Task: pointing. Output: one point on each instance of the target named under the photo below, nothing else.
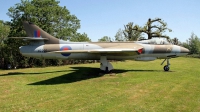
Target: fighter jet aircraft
(44, 45)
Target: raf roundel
(65, 48)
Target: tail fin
(36, 32)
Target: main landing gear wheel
(105, 66)
(166, 68)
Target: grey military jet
(44, 45)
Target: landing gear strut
(166, 67)
(105, 65)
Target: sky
(100, 18)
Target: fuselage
(149, 51)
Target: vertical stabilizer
(36, 32)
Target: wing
(29, 38)
(106, 51)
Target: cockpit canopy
(159, 41)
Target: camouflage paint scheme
(43, 45)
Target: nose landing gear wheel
(166, 68)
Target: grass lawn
(136, 86)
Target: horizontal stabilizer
(29, 38)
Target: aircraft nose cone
(184, 50)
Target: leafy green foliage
(4, 32)
(175, 41)
(47, 14)
(193, 44)
(80, 38)
(105, 39)
(119, 35)
(130, 34)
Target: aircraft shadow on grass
(76, 74)
(79, 74)
(34, 73)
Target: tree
(185, 44)
(80, 38)
(48, 15)
(130, 33)
(193, 44)
(4, 32)
(105, 39)
(153, 30)
(119, 36)
(175, 41)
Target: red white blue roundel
(65, 48)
